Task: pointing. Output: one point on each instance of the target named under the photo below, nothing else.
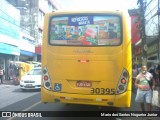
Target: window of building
(41, 16)
(40, 35)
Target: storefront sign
(9, 49)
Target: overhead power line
(143, 34)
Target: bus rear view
(86, 58)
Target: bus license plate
(83, 84)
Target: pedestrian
(1, 74)
(144, 91)
(153, 72)
(158, 72)
(134, 75)
(134, 71)
(139, 68)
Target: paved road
(16, 100)
(11, 94)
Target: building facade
(21, 29)
(151, 32)
(135, 35)
(9, 34)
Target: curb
(8, 82)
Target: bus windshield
(85, 30)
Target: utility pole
(142, 31)
(158, 12)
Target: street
(80, 44)
(14, 99)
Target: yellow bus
(86, 58)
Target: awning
(9, 49)
(26, 53)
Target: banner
(78, 114)
(80, 20)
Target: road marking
(118, 119)
(30, 107)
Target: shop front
(8, 53)
(26, 56)
(152, 54)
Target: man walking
(144, 91)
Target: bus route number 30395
(103, 91)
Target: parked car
(32, 80)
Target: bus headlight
(47, 84)
(44, 71)
(121, 87)
(123, 82)
(46, 79)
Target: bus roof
(85, 11)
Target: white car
(32, 80)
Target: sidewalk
(7, 82)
